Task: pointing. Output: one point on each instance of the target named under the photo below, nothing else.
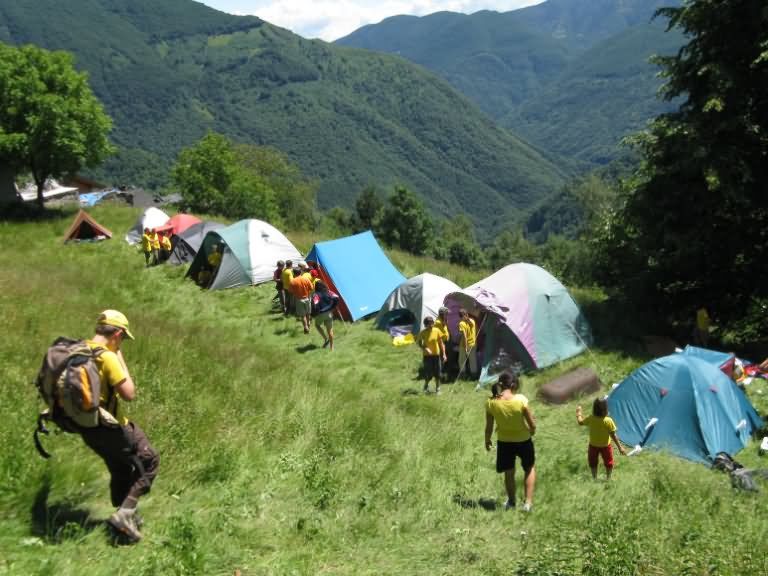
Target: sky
(332, 19)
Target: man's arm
(126, 389)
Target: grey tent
(187, 243)
(414, 300)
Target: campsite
(279, 458)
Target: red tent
(86, 228)
(177, 224)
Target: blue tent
(685, 405)
(722, 360)
(357, 269)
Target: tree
(51, 124)
(692, 225)
(368, 209)
(511, 247)
(405, 222)
(243, 181)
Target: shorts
(325, 319)
(303, 307)
(506, 452)
(605, 451)
(431, 367)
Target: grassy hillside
(278, 457)
(572, 76)
(169, 72)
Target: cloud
(332, 19)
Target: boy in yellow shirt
(146, 246)
(602, 429)
(467, 340)
(430, 340)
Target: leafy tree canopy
(50, 122)
(405, 222)
(692, 227)
(243, 181)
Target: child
(602, 429)
(430, 341)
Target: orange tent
(177, 224)
(85, 227)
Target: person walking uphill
(301, 288)
(602, 429)
(515, 428)
(125, 449)
(324, 302)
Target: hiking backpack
(69, 384)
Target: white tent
(151, 218)
(421, 296)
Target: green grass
(278, 457)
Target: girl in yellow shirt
(602, 429)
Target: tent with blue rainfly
(684, 405)
(356, 268)
(724, 361)
(525, 317)
(249, 251)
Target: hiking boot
(509, 504)
(124, 523)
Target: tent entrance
(499, 350)
(398, 322)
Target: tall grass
(279, 457)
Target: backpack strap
(41, 429)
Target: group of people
(508, 411)
(301, 292)
(155, 246)
(434, 341)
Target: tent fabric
(684, 405)
(723, 361)
(420, 295)
(84, 227)
(358, 270)
(251, 249)
(178, 223)
(151, 218)
(527, 317)
(187, 243)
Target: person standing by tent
(131, 460)
(515, 428)
(277, 276)
(324, 302)
(301, 287)
(146, 247)
(155, 247)
(467, 340)
(442, 324)
(165, 247)
(701, 330)
(430, 340)
(287, 276)
(602, 429)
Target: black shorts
(431, 367)
(506, 452)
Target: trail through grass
(279, 457)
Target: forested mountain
(572, 76)
(168, 72)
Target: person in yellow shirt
(286, 276)
(602, 429)
(441, 323)
(146, 247)
(701, 331)
(515, 427)
(155, 237)
(165, 247)
(121, 444)
(430, 340)
(467, 341)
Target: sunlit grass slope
(278, 457)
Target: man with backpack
(74, 373)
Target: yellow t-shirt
(467, 328)
(702, 319)
(430, 339)
(111, 374)
(146, 243)
(443, 330)
(155, 240)
(286, 276)
(600, 429)
(508, 414)
(165, 242)
(214, 259)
